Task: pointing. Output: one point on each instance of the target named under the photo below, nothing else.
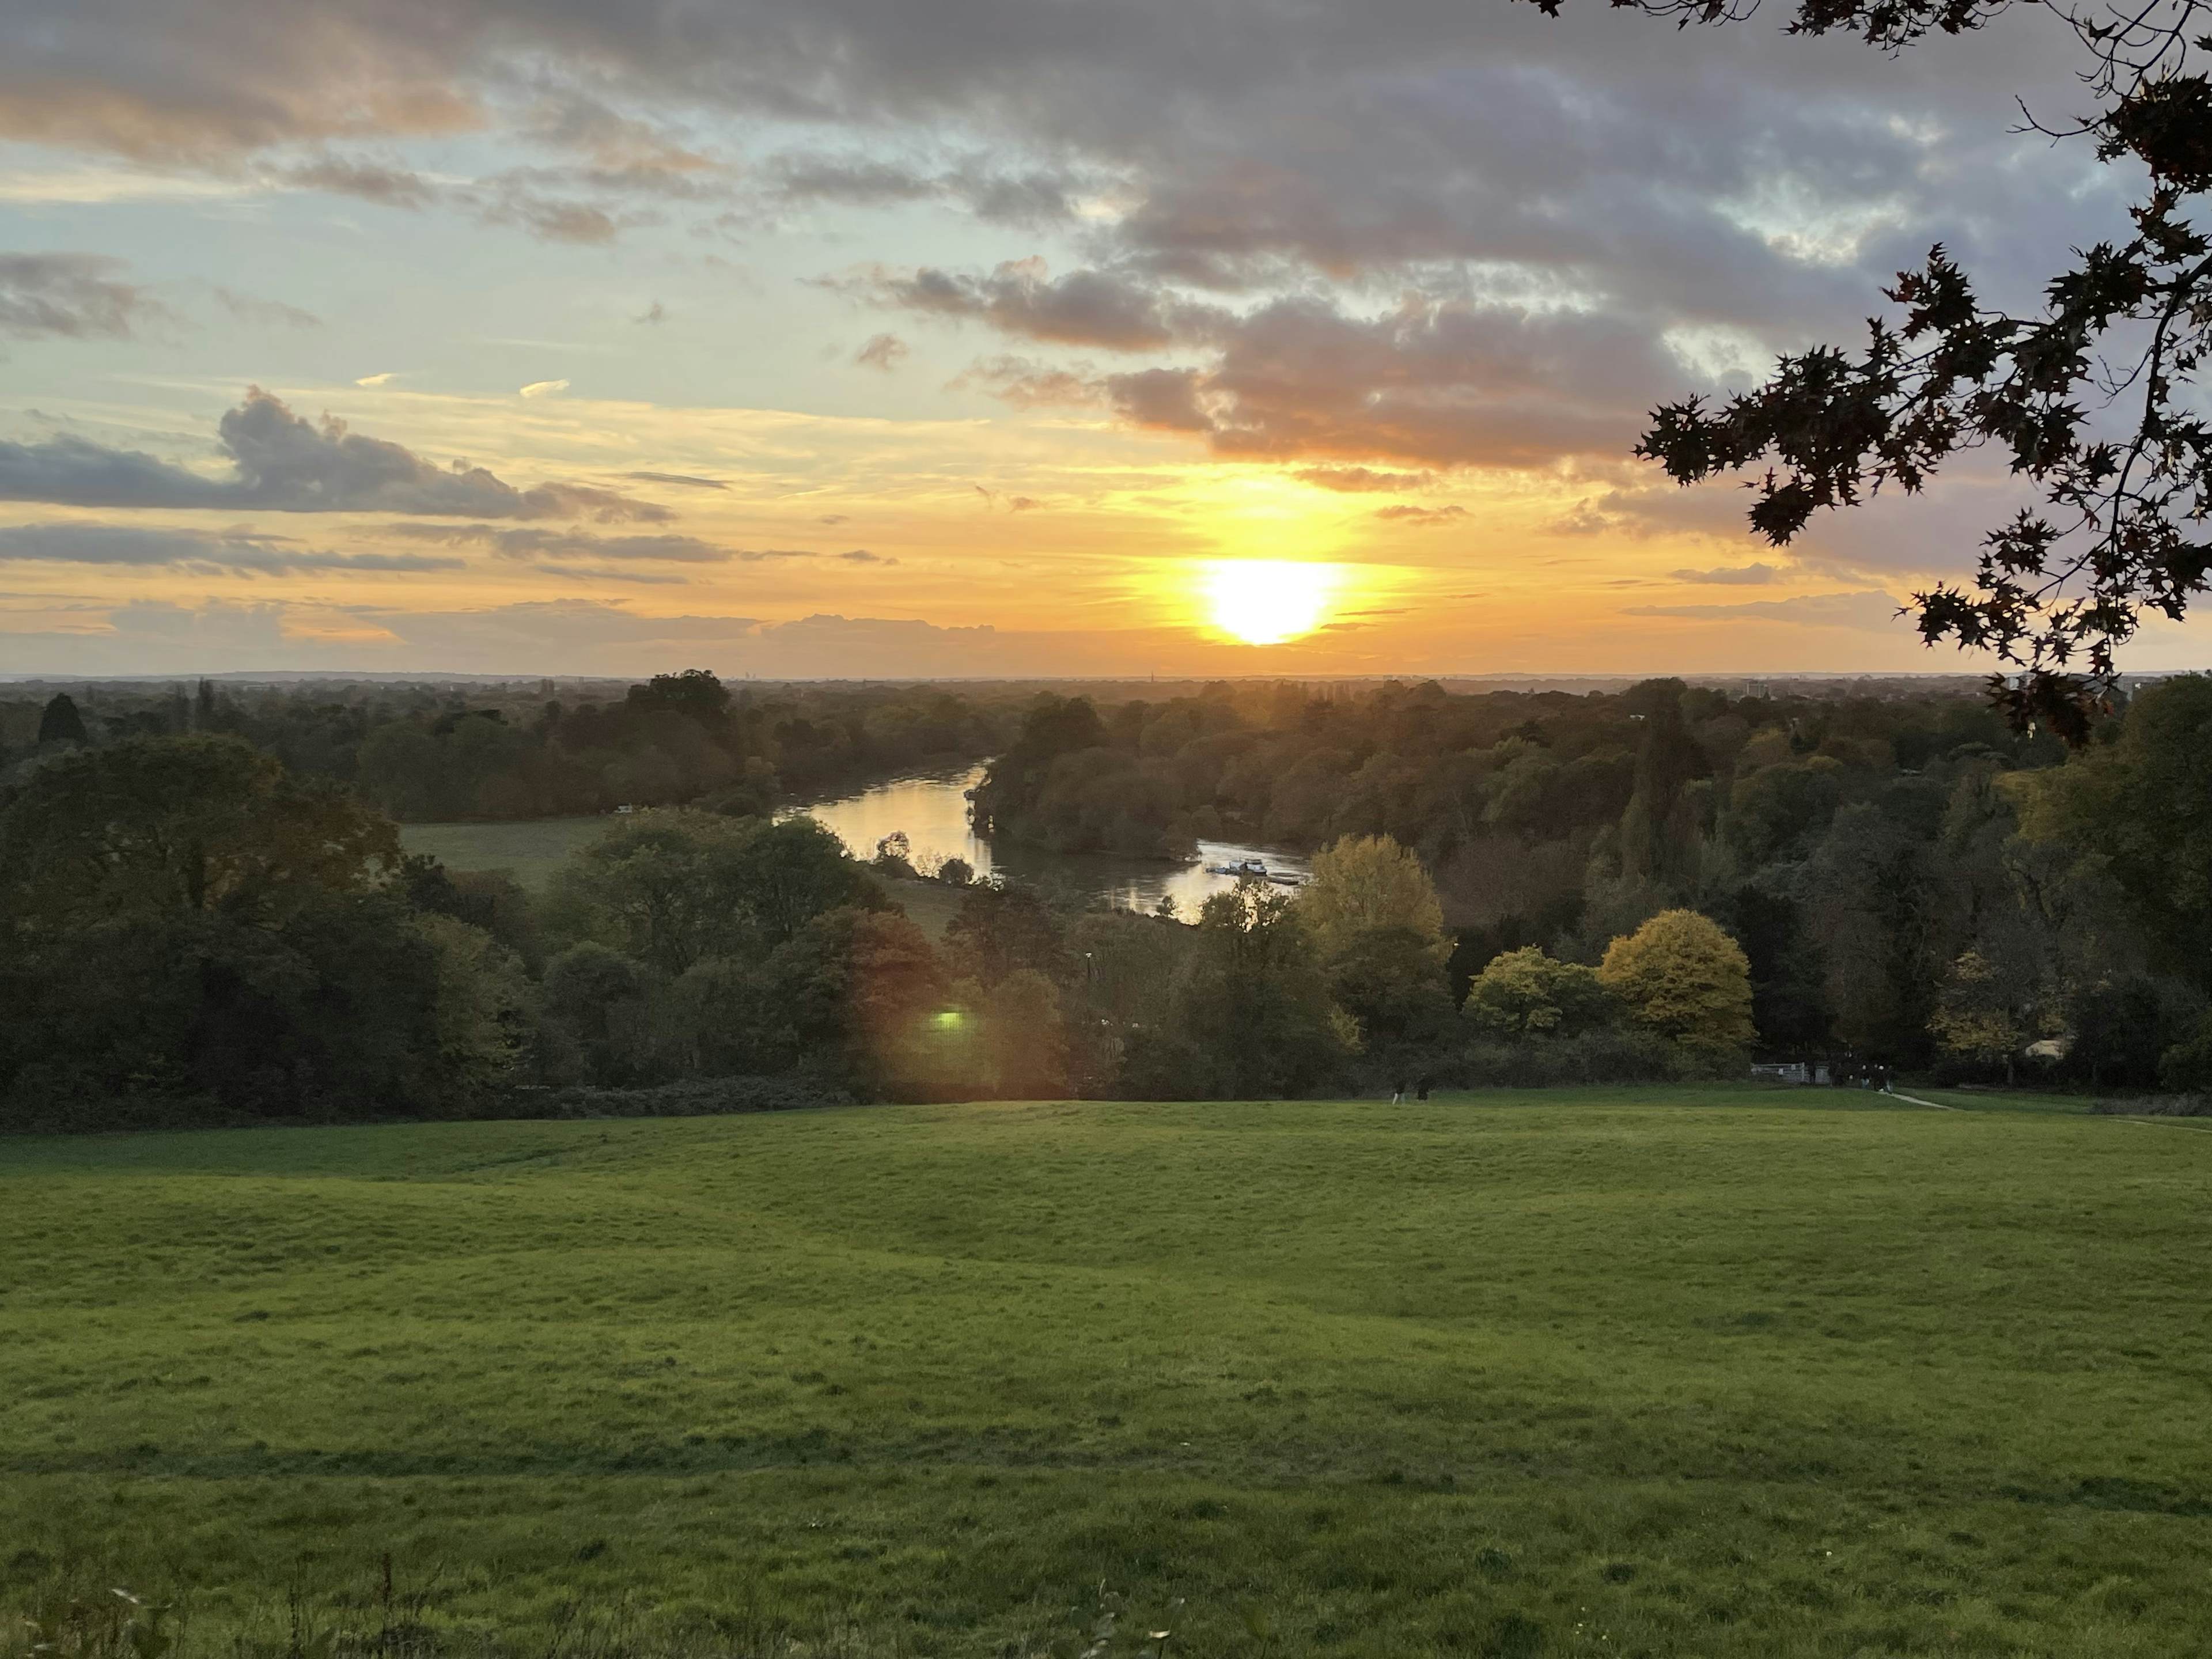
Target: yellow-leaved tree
(1366, 882)
(1684, 978)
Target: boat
(1253, 869)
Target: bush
(1601, 1056)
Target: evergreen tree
(59, 722)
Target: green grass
(1711, 1373)
(531, 849)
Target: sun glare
(1267, 601)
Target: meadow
(529, 850)
(1718, 1373)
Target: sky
(967, 338)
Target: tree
(155, 826)
(999, 930)
(1684, 978)
(1363, 883)
(594, 1016)
(1525, 992)
(1251, 1013)
(860, 997)
(2143, 803)
(481, 1012)
(675, 886)
(1026, 1037)
(59, 721)
(2096, 400)
(1979, 1015)
(1390, 983)
(697, 694)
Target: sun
(1267, 601)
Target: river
(932, 811)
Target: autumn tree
(2096, 400)
(1526, 993)
(1684, 978)
(1378, 927)
(1364, 882)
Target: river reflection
(932, 811)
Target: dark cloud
(1404, 513)
(75, 295)
(1589, 212)
(205, 552)
(1020, 297)
(1432, 383)
(883, 352)
(1037, 197)
(282, 463)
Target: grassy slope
(1726, 1375)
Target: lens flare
(1267, 601)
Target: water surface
(932, 811)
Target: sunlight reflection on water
(932, 811)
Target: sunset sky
(963, 337)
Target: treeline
(425, 753)
(195, 934)
(1914, 884)
(192, 932)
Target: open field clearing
(1662, 1372)
(529, 850)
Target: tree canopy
(2095, 400)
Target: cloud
(544, 545)
(205, 552)
(384, 379)
(1084, 307)
(544, 389)
(281, 462)
(682, 479)
(1404, 513)
(1872, 610)
(1353, 480)
(1401, 234)
(1747, 576)
(1029, 384)
(557, 545)
(654, 313)
(883, 352)
(69, 296)
(268, 313)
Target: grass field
(530, 848)
(1717, 1373)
